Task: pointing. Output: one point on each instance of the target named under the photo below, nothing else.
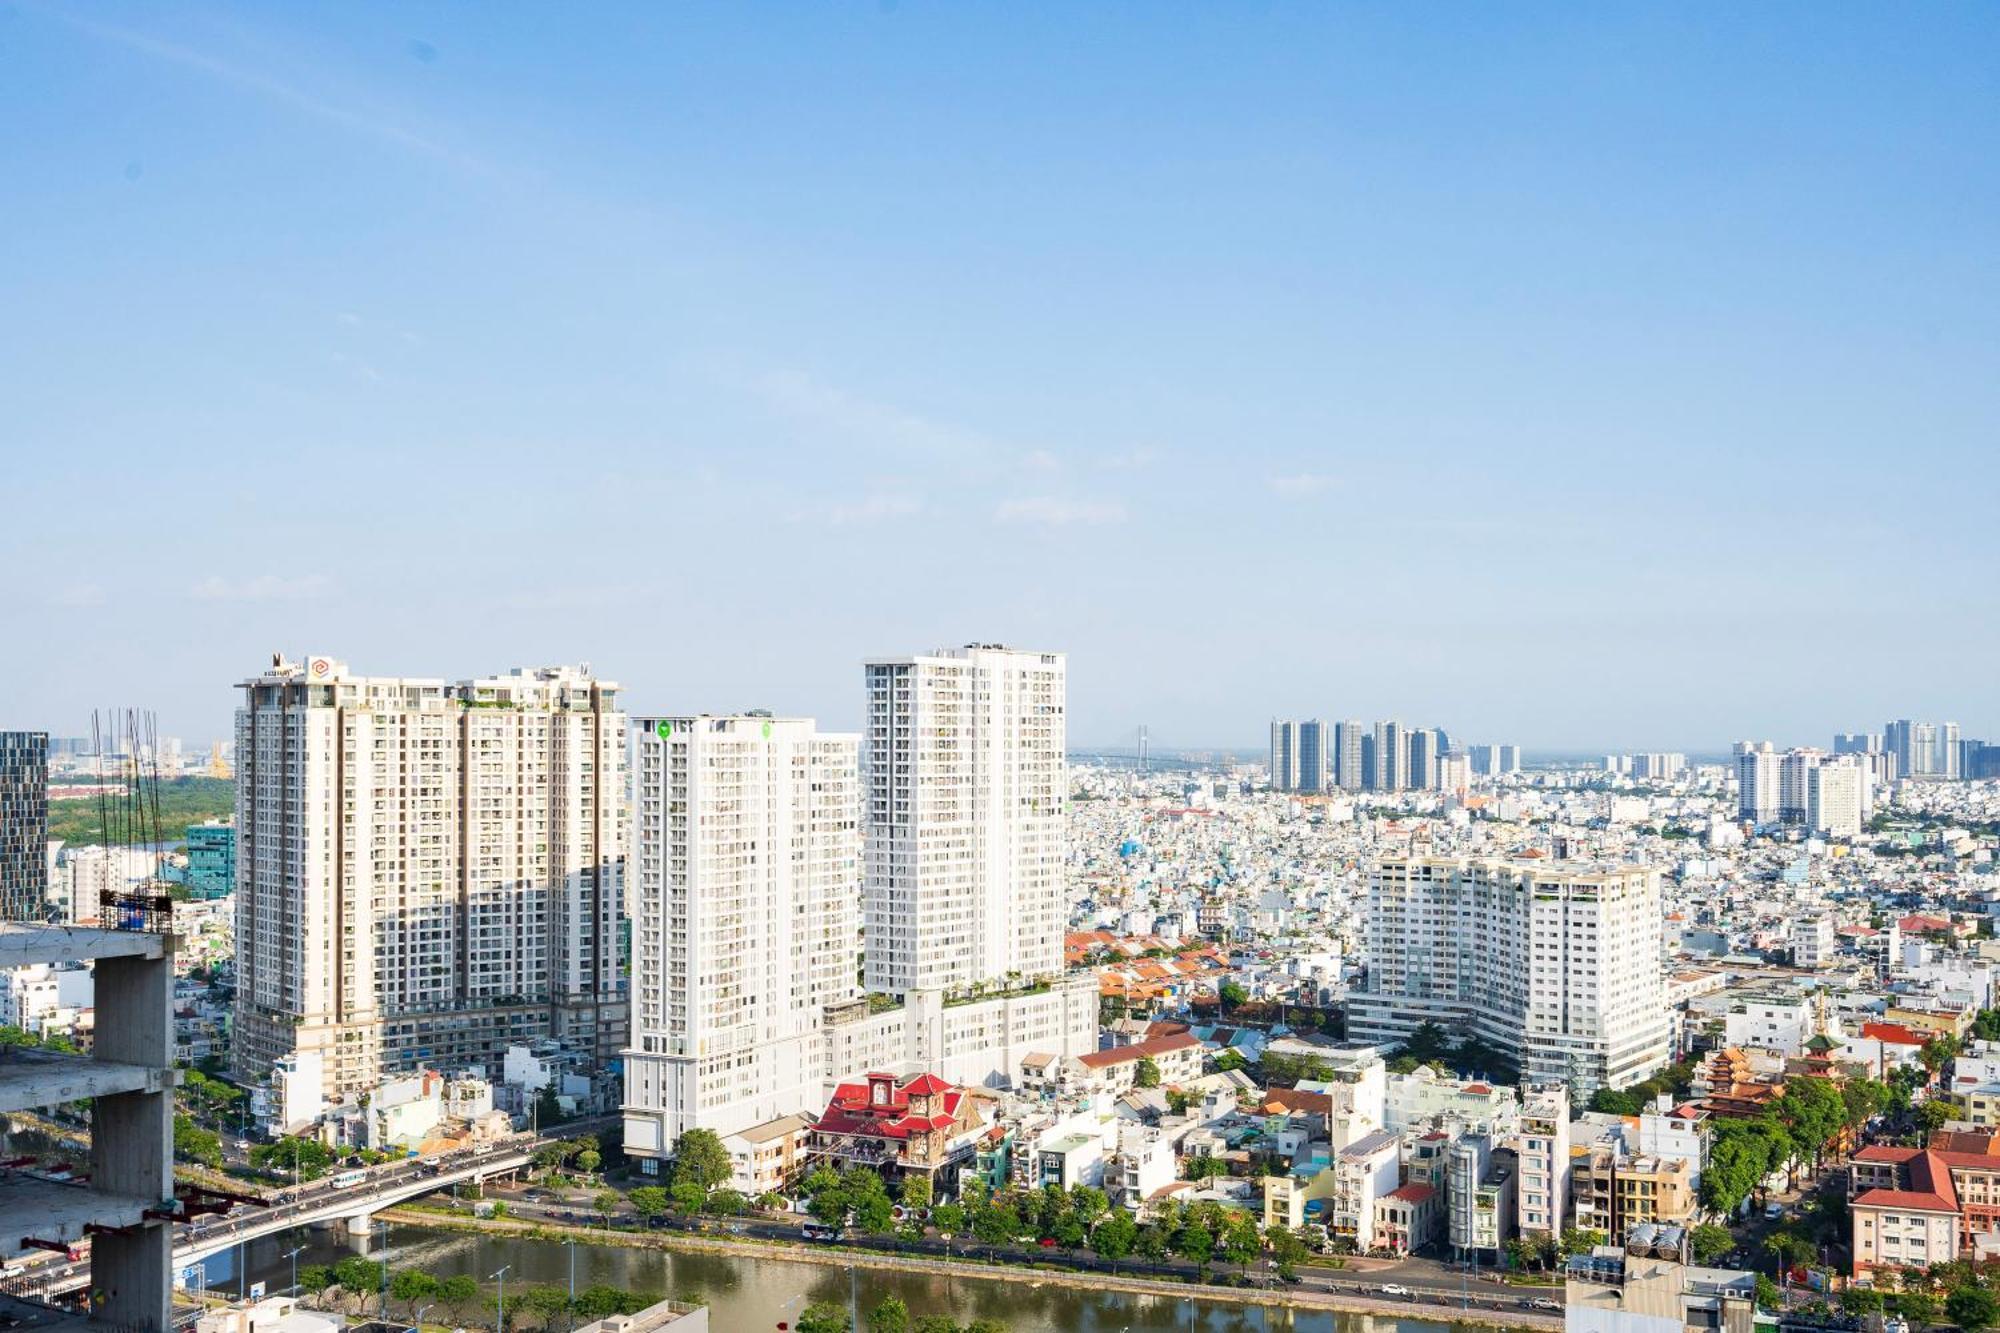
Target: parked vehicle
(819, 1231)
(1545, 1303)
(1394, 1289)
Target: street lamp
(570, 1245)
(384, 1302)
(293, 1255)
(501, 1276)
(416, 1325)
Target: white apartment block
(426, 873)
(966, 784)
(1757, 781)
(1813, 941)
(1542, 1198)
(1837, 797)
(746, 862)
(1556, 963)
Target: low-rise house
(922, 1125)
(766, 1158)
(1408, 1218)
(1911, 1207)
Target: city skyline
(1483, 371)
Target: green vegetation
(1675, 1080)
(194, 1144)
(307, 1158)
(1810, 1119)
(182, 801)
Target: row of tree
(1812, 1117)
(890, 1315)
(411, 1290)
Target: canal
(746, 1293)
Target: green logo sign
(664, 730)
(767, 731)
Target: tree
(1710, 1242)
(1972, 1308)
(1938, 1052)
(890, 1315)
(1230, 1061)
(589, 1160)
(1787, 1248)
(1231, 995)
(996, 1223)
(1768, 1294)
(1203, 1166)
(874, 1213)
(936, 1323)
(916, 1190)
(195, 1144)
(650, 1201)
(1861, 1300)
(1813, 1113)
(1240, 1242)
(1932, 1115)
(1428, 1043)
(358, 1277)
(411, 1286)
(546, 1303)
(309, 1158)
(702, 1159)
(1155, 1243)
(1286, 1248)
(1195, 1244)
(949, 1218)
(458, 1294)
(606, 1203)
(688, 1198)
(315, 1278)
(1179, 1101)
(1115, 1237)
(822, 1317)
(1147, 1075)
(727, 1203)
(1611, 1101)
(1919, 1307)
(1580, 1240)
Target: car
(1774, 1210)
(1047, 1242)
(1545, 1303)
(1394, 1289)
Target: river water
(747, 1293)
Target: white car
(1394, 1289)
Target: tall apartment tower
(1313, 757)
(1837, 796)
(1348, 738)
(746, 864)
(964, 820)
(1558, 964)
(24, 826)
(1392, 757)
(1795, 770)
(1284, 756)
(1757, 778)
(1949, 752)
(425, 873)
(1423, 771)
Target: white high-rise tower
(966, 784)
(746, 855)
(425, 873)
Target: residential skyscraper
(746, 867)
(24, 826)
(1947, 762)
(964, 821)
(1557, 964)
(1836, 796)
(426, 873)
(1392, 757)
(1857, 742)
(1349, 774)
(1757, 774)
(1795, 770)
(1284, 756)
(1423, 751)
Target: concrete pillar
(361, 1224)
(132, 1154)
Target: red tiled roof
(1895, 1033)
(852, 1111)
(1411, 1193)
(1138, 1050)
(1906, 1199)
(1930, 1189)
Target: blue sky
(1575, 375)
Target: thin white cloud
(262, 588)
(75, 595)
(1041, 460)
(1131, 460)
(1055, 511)
(273, 89)
(874, 508)
(821, 405)
(1300, 484)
